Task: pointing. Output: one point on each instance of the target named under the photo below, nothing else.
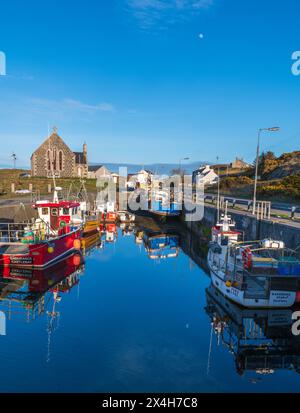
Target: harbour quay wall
(253, 228)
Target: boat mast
(51, 159)
(210, 349)
(218, 200)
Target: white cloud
(77, 105)
(149, 13)
(67, 105)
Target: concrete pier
(253, 228)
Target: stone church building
(54, 157)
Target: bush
(288, 187)
(232, 182)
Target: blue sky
(136, 81)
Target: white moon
(201, 36)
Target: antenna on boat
(53, 316)
(51, 160)
(226, 208)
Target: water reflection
(38, 292)
(161, 246)
(260, 340)
(138, 326)
(32, 290)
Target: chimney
(85, 152)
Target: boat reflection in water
(127, 229)
(91, 242)
(162, 246)
(32, 289)
(261, 340)
(109, 233)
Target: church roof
(80, 158)
(95, 168)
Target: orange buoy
(77, 244)
(76, 260)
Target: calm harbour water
(135, 324)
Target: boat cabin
(223, 232)
(58, 215)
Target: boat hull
(275, 299)
(42, 254)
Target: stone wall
(252, 228)
(39, 160)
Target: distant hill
(7, 166)
(156, 168)
(288, 164)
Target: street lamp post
(181, 177)
(275, 129)
(180, 163)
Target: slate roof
(94, 168)
(80, 158)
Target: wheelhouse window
(65, 211)
(45, 211)
(54, 212)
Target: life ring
(247, 258)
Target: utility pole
(275, 129)
(14, 158)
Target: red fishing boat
(50, 237)
(26, 288)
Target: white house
(143, 178)
(205, 175)
(98, 171)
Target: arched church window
(60, 160)
(54, 159)
(48, 160)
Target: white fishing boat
(107, 211)
(261, 274)
(261, 340)
(126, 217)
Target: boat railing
(218, 263)
(14, 232)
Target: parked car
(23, 192)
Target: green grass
(9, 176)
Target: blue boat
(162, 246)
(163, 207)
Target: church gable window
(54, 159)
(48, 160)
(60, 161)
